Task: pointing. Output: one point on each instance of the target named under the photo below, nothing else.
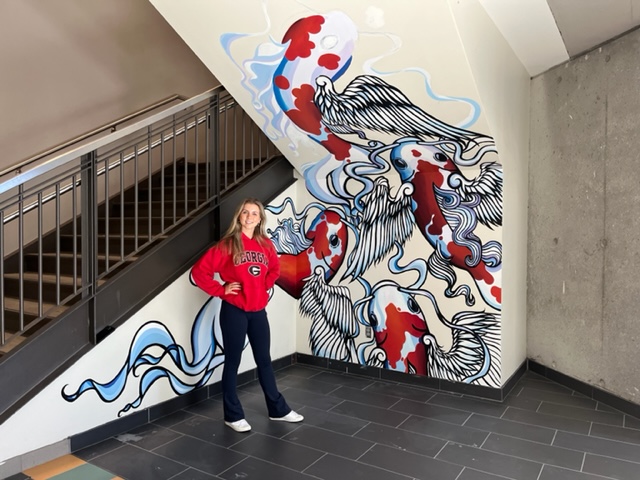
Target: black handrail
(108, 126)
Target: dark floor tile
(468, 404)
(211, 431)
(537, 452)
(490, 462)
(410, 464)
(549, 421)
(631, 422)
(89, 453)
(280, 452)
(365, 396)
(200, 455)
(344, 380)
(255, 469)
(470, 474)
(401, 391)
(191, 474)
(330, 442)
(262, 424)
(581, 414)
(522, 402)
(603, 407)
(310, 399)
(256, 403)
(545, 385)
(513, 429)
(611, 467)
(615, 433)
(550, 472)
(309, 384)
(445, 431)
(135, 463)
(333, 421)
(436, 412)
(298, 371)
(559, 398)
(148, 436)
(173, 419)
(598, 446)
(404, 439)
(369, 413)
(331, 467)
(210, 408)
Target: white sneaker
(239, 426)
(291, 417)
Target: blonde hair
(232, 239)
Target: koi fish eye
(399, 163)
(440, 157)
(373, 320)
(334, 241)
(413, 305)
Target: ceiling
(546, 33)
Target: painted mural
(391, 240)
(397, 192)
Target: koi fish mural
(390, 167)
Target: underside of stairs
(146, 236)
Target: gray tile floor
(361, 428)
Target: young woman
(248, 266)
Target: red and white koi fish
(328, 236)
(447, 208)
(398, 326)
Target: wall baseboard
(497, 394)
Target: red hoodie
(256, 272)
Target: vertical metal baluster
(107, 214)
(135, 205)
(121, 206)
(21, 256)
(74, 216)
(225, 156)
(186, 170)
(162, 182)
(197, 126)
(252, 139)
(40, 297)
(244, 152)
(235, 145)
(175, 154)
(57, 208)
(149, 183)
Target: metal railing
(70, 222)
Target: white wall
(54, 419)
(503, 85)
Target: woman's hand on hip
(232, 288)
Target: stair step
(31, 281)
(12, 312)
(12, 343)
(129, 208)
(66, 243)
(66, 262)
(128, 224)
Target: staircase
(134, 226)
